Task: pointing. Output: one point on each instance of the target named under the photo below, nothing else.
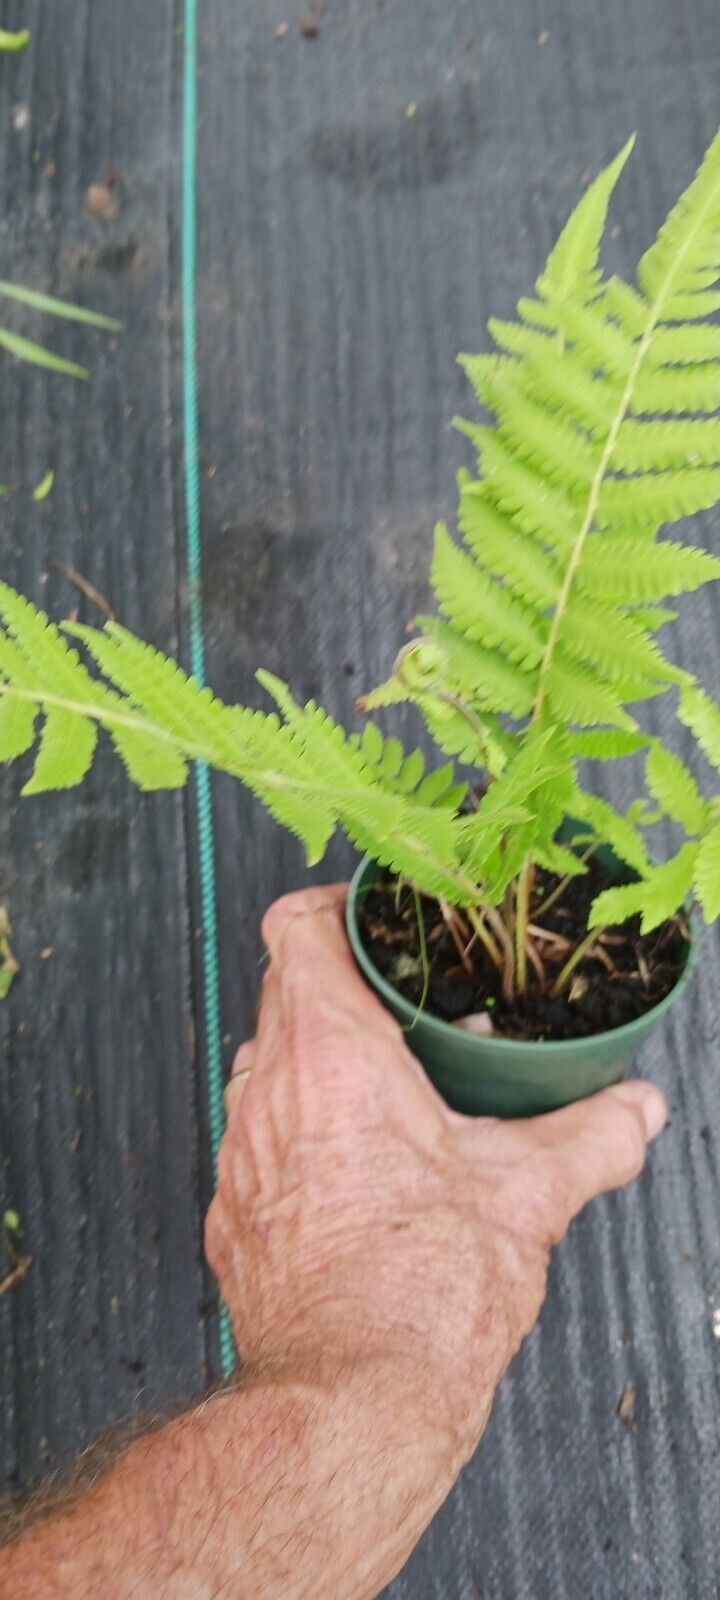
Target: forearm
(313, 1484)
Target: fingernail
(646, 1098)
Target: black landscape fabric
(368, 195)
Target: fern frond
(612, 641)
(505, 552)
(538, 507)
(149, 761)
(706, 879)
(485, 678)
(616, 830)
(566, 386)
(417, 843)
(685, 344)
(658, 496)
(162, 690)
(524, 793)
(677, 389)
(577, 697)
(67, 745)
(656, 446)
(675, 789)
(686, 243)
(667, 888)
(653, 618)
(626, 571)
(626, 306)
(471, 735)
(543, 438)
(702, 717)
(599, 395)
(490, 680)
(572, 266)
(615, 906)
(481, 608)
(17, 726)
(597, 341)
(606, 744)
(405, 774)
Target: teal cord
(206, 845)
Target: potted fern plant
(518, 925)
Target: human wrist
(265, 1489)
(430, 1365)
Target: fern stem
(505, 952)
(522, 917)
(424, 962)
(610, 443)
(485, 937)
(590, 510)
(450, 918)
(574, 961)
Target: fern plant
(600, 399)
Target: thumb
(600, 1143)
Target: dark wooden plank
(348, 250)
(98, 1135)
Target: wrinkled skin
(356, 1213)
(382, 1259)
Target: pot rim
(496, 1042)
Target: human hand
(357, 1215)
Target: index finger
(336, 1017)
(305, 936)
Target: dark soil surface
(623, 975)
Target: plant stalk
(485, 936)
(507, 960)
(574, 961)
(522, 917)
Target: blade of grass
(14, 41)
(37, 355)
(57, 308)
(45, 485)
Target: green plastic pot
(508, 1077)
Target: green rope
(206, 847)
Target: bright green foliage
(14, 41)
(37, 354)
(598, 432)
(44, 487)
(9, 969)
(675, 789)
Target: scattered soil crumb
(310, 25)
(626, 1408)
(281, 30)
(102, 201)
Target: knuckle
(277, 916)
